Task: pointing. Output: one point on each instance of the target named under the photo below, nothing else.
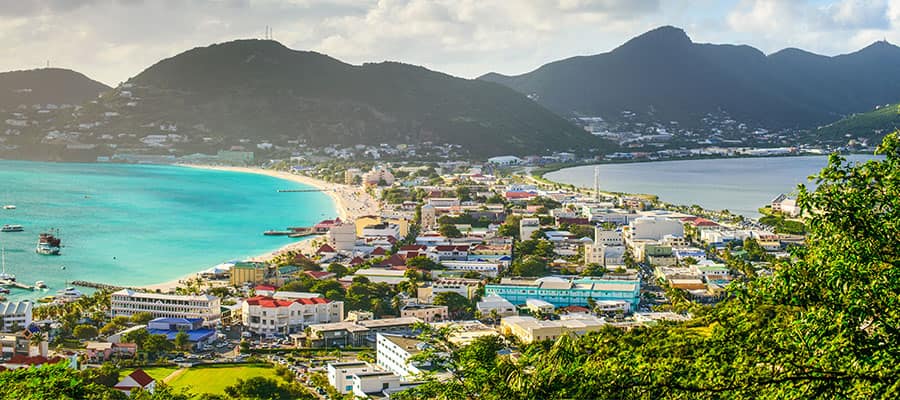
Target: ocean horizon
(135, 225)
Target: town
(473, 249)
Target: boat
(9, 207)
(68, 294)
(4, 276)
(40, 285)
(48, 245)
(46, 299)
(11, 228)
(4, 290)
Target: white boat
(40, 285)
(12, 228)
(9, 207)
(68, 294)
(4, 276)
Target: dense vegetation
(874, 124)
(261, 89)
(663, 72)
(46, 86)
(823, 325)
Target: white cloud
(112, 40)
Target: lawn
(158, 373)
(214, 379)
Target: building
(563, 292)
(492, 302)
(263, 315)
(605, 255)
(350, 175)
(355, 333)
(539, 306)
(361, 378)
(785, 205)
(368, 220)
(654, 228)
(428, 217)
(248, 272)
(394, 351)
(486, 268)
(197, 334)
(504, 160)
(127, 302)
(425, 312)
(378, 176)
(383, 229)
(15, 316)
(342, 236)
(527, 227)
(136, 380)
(529, 329)
(463, 287)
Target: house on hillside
(134, 380)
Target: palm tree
(37, 339)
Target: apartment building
(265, 315)
(127, 302)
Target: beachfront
(351, 202)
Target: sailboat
(4, 276)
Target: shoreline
(350, 202)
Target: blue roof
(164, 320)
(193, 336)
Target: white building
(383, 229)
(654, 228)
(127, 302)
(394, 351)
(608, 237)
(266, 315)
(505, 160)
(15, 315)
(342, 236)
(493, 302)
(378, 175)
(360, 378)
(485, 268)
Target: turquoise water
(142, 224)
(740, 185)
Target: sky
(112, 40)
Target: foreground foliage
(824, 325)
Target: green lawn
(214, 379)
(158, 373)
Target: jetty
(96, 285)
(19, 285)
(301, 190)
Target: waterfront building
(529, 329)
(249, 272)
(563, 292)
(364, 221)
(127, 302)
(15, 315)
(342, 237)
(378, 176)
(263, 315)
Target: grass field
(214, 379)
(158, 373)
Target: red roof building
(134, 380)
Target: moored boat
(40, 285)
(9, 207)
(48, 244)
(4, 276)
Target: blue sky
(111, 40)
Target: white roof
(17, 308)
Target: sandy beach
(351, 202)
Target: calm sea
(142, 224)
(740, 185)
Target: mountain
(873, 124)
(261, 90)
(664, 73)
(47, 86)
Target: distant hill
(663, 72)
(262, 90)
(874, 124)
(47, 86)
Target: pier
(95, 285)
(301, 190)
(19, 285)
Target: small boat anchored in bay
(12, 228)
(48, 245)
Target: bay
(142, 224)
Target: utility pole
(597, 182)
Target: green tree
(450, 231)
(138, 337)
(530, 266)
(456, 304)
(182, 340)
(85, 332)
(263, 388)
(338, 269)
(141, 318)
(510, 227)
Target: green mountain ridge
(46, 86)
(664, 73)
(873, 124)
(262, 90)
